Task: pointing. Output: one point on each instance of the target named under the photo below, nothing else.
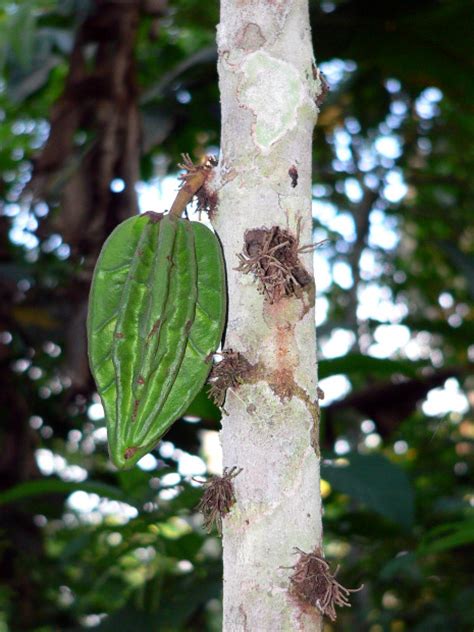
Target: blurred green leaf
(463, 262)
(368, 365)
(30, 489)
(181, 596)
(404, 565)
(129, 619)
(447, 536)
(203, 407)
(375, 481)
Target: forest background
(86, 141)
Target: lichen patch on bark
(263, 74)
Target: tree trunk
(269, 89)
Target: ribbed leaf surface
(156, 315)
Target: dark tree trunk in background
(95, 130)
(94, 139)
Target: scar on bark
(272, 256)
(293, 173)
(234, 369)
(194, 183)
(218, 498)
(315, 584)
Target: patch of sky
(50, 463)
(41, 209)
(339, 343)
(321, 190)
(190, 465)
(212, 452)
(370, 267)
(392, 85)
(322, 308)
(424, 145)
(447, 399)
(389, 339)
(158, 194)
(420, 347)
(322, 272)
(376, 303)
(334, 387)
(393, 121)
(335, 70)
(398, 107)
(398, 113)
(51, 243)
(372, 181)
(353, 190)
(352, 125)
(343, 223)
(148, 463)
(342, 446)
(117, 185)
(382, 231)
(100, 434)
(342, 275)
(93, 508)
(324, 212)
(426, 105)
(395, 188)
(367, 159)
(95, 412)
(342, 142)
(20, 232)
(327, 7)
(388, 146)
(183, 96)
(11, 210)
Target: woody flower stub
(268, 96)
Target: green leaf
(459, 334)
(447, 536)
(129, 619)
(156, 316)
(357, 363)
(402, 566)
(203, 407)
(376, 482)
(463, 262)
(41, 487)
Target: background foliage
(97, 100)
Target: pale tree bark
(269, 88)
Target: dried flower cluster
(205, 195)
(271, 255)
(315, 584)
(231, 371)
(218, 498)
(191, 169)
